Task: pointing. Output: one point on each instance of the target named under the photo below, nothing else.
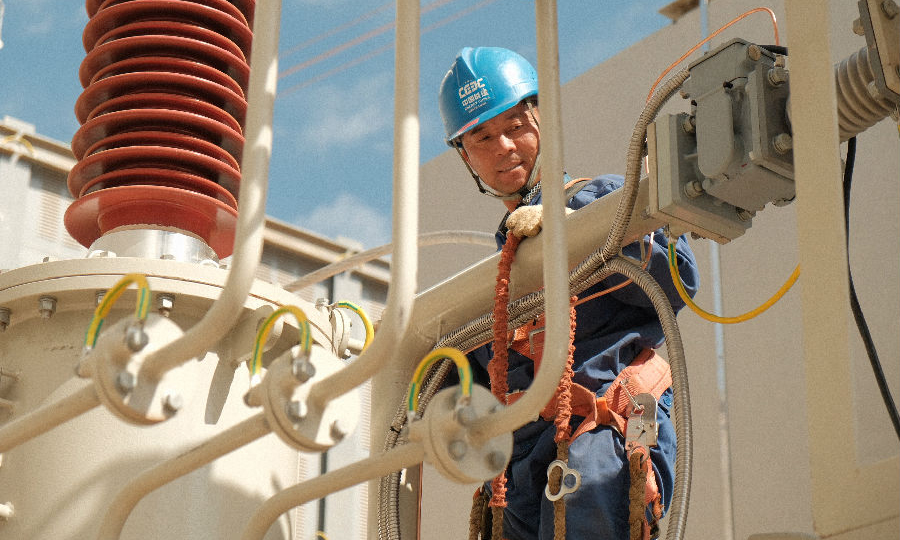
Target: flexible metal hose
(681, 410)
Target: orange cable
(709, 37)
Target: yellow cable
(676, 279)
(370, 330)
(462, 367)
(105, 306)
(262, 335)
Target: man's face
(502, 151)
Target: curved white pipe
(231, 439)
(316, 488)
(406, 215)
(248, 240)
(556, 271)
(425, 239)
(49, 416)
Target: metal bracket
(642, 428)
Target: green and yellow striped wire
(103, 309)
(370, 331)
(462, 367)
(262, 335)
(676, 279)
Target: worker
(489, 106)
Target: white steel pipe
(231, 439)
(373, 467)
(425, 239)
(405, 216)
(555, 270)
(248, 240)
(47, 417)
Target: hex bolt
(164, 304)
(5, 317)
(777, 76)
(689, 125)
(754, 52)
(337, 430)
(124, 382)
(98, 297)
(496, 460)
(457, 449)
(303, 369)
(172, 402)
(47, 306)
(296, 410)
(684, 94)
(783, 143)
(890, 9)
(694, 189)
(466, 415)
(858, 27)
(322, 304)
(135, 338)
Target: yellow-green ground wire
(370, 331)
(676, 279)
(103, 309)
(462, 367)
(263, 334)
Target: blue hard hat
(482, 83)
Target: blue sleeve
(658, 266)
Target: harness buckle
(641, 428)
(569, 481)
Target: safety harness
(628, 406)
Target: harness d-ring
(565, 472)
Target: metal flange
(301, 424)
(115, 366)
(449, 448)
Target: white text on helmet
(471, 86)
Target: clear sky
(331, 168)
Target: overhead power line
(354, 42)
(381, 50)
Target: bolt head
(296, 410)
(125, 382)
(457, 449)
(135, 338)
(466, 415)
(890, 9)
(165, 302)
(754, 52)
(496, 460)
(47, 306)
(173, 402)
(302, 369)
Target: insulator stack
(162, 116)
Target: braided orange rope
(499, 364)
(497, 370)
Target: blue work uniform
(611, 331)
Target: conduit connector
(47, 306)
(5, 317)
